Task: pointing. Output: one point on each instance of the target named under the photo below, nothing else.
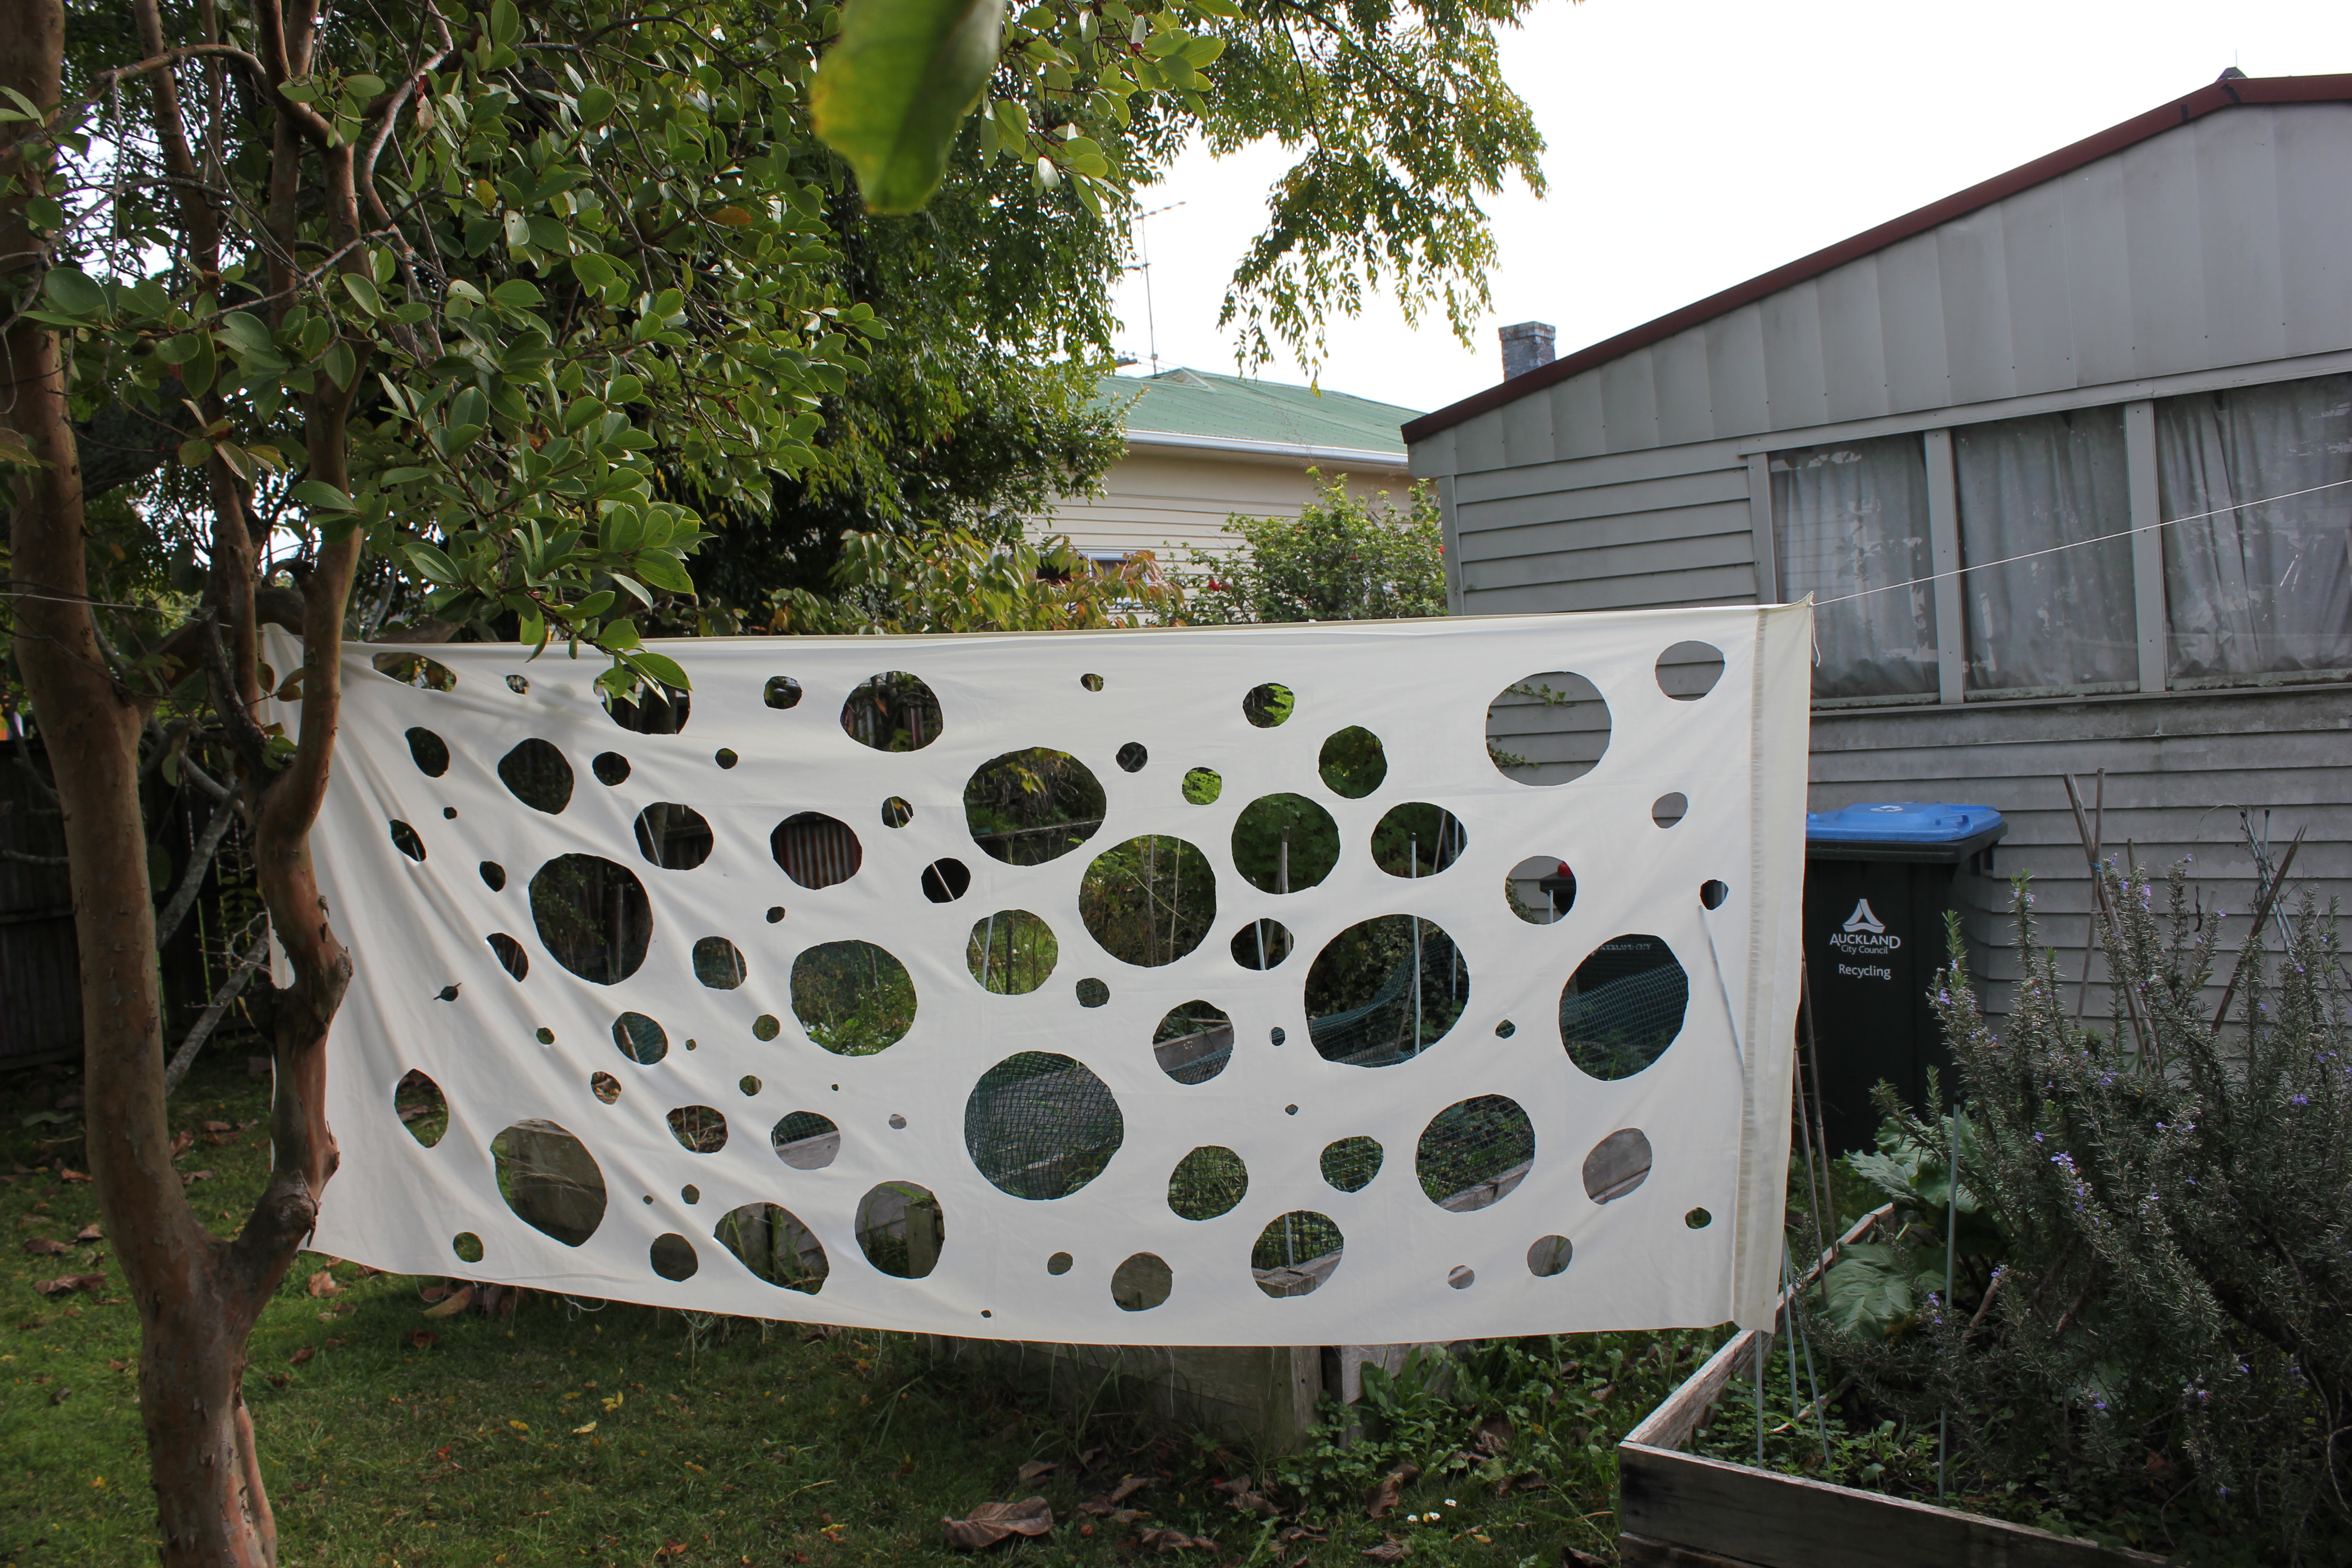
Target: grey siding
(2178, 768)
(2225, 242)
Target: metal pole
(1412, 856)
(1951, 1240)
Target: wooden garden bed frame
(1681, 1511)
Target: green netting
(1470, 1147)
(1398, 1022)
(1619, 1025)
(1294, 1240)
(1041, 1126)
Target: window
(1849, 523)
(2061, 622)
(2263, 588)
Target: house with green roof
(1201, 447)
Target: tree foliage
(1341, 559)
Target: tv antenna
(1143, 239)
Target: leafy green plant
(1343, 558)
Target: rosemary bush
(2161, 1333)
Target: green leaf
(74, 291)
(340, 364)
(247, 333)
(363, 293)
(506, 22)
(195, 453)
(593, 269)
(620, 635)
(662, 667)
(516, 294)
(403, 475)
(663, 570)
(432, 564)
(595, 104)
(895, 85)
(362, 86)
(320, 496)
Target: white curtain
(1848, 519)
(2061, 621)
(2264, 586)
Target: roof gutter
(2220, 95)
(1391, 460)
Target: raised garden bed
(1684, 1510)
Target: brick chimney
(1525, 346)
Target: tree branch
(184, 1058)
(183, 898)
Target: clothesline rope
(2076, 544)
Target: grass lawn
(615, 1434)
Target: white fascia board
(1395, 460)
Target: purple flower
(2300, 1099)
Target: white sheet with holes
(1694, 1241)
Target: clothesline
(2076, 544)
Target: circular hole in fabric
(1092, 993)
(494, 876)
(1293, 1255)
(1207, 1183)
(1618, 1164)
(1688, 670)
(591, 916)
(1549, 1256)
(414, 669)
(897, 813)
(1261, 945)
(1059, 1263)
(898, 1122)
(610, 768)
(450, 812)
(719, 963)
(1350, 1163)
(641, 1039)
(775, 913)
(1202, 786)
(672, 1256)
(1461, 1277)
(1418, 839)
(1623, 1006)
(747, 1085)
(1712, 893)
(816, 850)
(698, 1129)
(945, 881)
(689, 1193)
(1193, 1041)
(519, 685)
(1364, 1007)
(1132, 756)
(765, 1027)
(805, 1141)
(1030, 807)
(770, 1240)
(1284, 843)
(1012, 952)
(422, 1108)
(1669, 809)
(547, 1035)
(1698, 1219)
(725, 757)
(1505, 1029)
(1540, 889)
(1041, 1126)
(549, 1180)
(780, 692)
(511, 957)
(649, 709)
(1149, 901)
(1474, 1153)
(1142, 1283)
(893, 711)
(405, 839)
(1547, 728)
(1352, 763)
(854, 998)
(673, 837)
(1091, 682)
(1276, 1035)
(430, 752)
(901, 1229)
(536, 774)
(1267, 706)
(605, 1087)
(467, 1246)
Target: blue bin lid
(1907, 829)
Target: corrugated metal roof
(1183, 406)
(2227, 93)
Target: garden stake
(1951, 1242)
(1763, 1350)
(1813, 1377)
(1814, 1059)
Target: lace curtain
(1848, 519)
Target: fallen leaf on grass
(1528, 1482)
(1383, 1496)
(583, 1431)
(189, 1178)
(42, 1247)
(1493, 1436)
(182, 1142)
(1302, 1535)
(1172, 1541)
(1391, 1550)
(118, 1365)
(1570, 1557)
(298, 1357)
(453, 1305)
(67, 1284)
(1035, 1468)
(323, 1283)
(423, 1338)
(61, 1395)
(279, 1380)
(993, 1521)
(88, 1233)
(71, 1175)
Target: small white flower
(1430, 1516)
(1449, 1502)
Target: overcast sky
(1694, 143)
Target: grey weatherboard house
(2129, 342)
